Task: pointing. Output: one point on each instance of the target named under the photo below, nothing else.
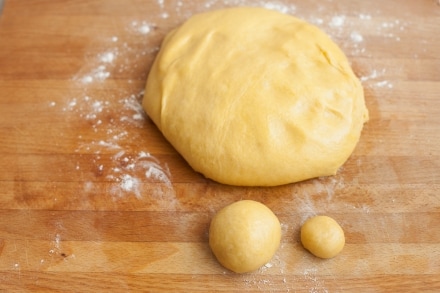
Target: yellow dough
(254, 97)
(244, 235)
(322, 236)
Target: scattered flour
(364, 16)
(283, 8)
(375, 79)
(108, 57)
(111, 117)
(130, 171)
(126, 170)
(356, 37)
(373, 75)
(273, 5)
(384, 83)
(99, 73)
(142, 27)
(337, 21)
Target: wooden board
(93, 198)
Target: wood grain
(93, 198)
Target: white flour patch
(337, 21)
(279, 6)
(356, 37)
(142, 27)
(97, 74)
(156, 172)
(384, 83)
(129, 183)
(375, 79)
(373, 75)
(136, 114)
(108, 57)
(363, 16)
(283, 8)
(318, 285)
(130, 171)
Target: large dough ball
(322, 236)
(250, 96)
(244, 235)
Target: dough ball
(244, 235)
(322, 236)
(253, 97)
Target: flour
(273, 5)
(156, 172)
(337, 21)
(108, 57)
(356, 37)
(129, 183)
(142, 27)
(99, 74)
(363, 16)
(130, 171)
(137, 115)
(384, 83)
(279, 7)
(110, 117)
(373, 75)
(318, 284)
(375, 79)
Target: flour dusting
(130, 171)
(283, 8)
(110, 117)
(375, 79)
(337, 21)
(356, 37)
(142, 27)
(126, 170)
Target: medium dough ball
(322, 236)
(244, 235)
(253, 97)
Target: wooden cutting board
(93, 198)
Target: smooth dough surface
(322, 236)
(253, 97)
(244, 235)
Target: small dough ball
(322, 236)
(244, 235)
(253, 97)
